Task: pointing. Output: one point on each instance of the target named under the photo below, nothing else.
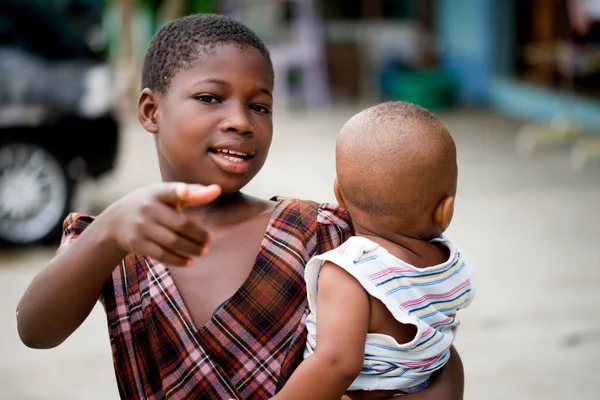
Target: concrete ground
(530, 227)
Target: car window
(52, 38)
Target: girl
(202, 285)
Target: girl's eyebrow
(225, 83)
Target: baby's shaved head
(395, 158)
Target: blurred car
(56, 123)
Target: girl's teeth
(234, 159)
(232, 152)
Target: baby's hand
(150, 221)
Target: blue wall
(466, 39)
(476, 42)
(532, 102)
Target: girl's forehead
(229, 62)
(227, 53)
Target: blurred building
(524, 58)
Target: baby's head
(396, 170)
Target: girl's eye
(261, 109)
(207, 98)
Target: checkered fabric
(252, 344)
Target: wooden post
(171, 9)
(125, 64)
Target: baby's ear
(147, 109)
(338, 194)
(444, 213)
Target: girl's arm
(64, 292)
(448, 384)
(147, 221)
(342, 323)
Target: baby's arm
(342, 323)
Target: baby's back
(381, 319)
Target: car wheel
(35, 193)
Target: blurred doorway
(558, 44)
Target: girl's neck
(231, 209)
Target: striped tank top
(428, 298)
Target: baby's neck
(418, 252)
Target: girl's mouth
(231, 161)
(231, 155)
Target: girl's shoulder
(309, 212)
(73, 225)
(327, 223)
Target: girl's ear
(147, 109)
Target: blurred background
(516, 82)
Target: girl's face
(214, 124)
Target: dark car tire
(35, 194)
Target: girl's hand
(152, 221)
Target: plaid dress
(251, 345)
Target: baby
(383, 305)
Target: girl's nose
(238, 120)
